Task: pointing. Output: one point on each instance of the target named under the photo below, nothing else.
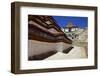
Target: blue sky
(62, 21)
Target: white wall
(5, 33)
(43, 47)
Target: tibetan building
(71, 31)
(70, 27)
(45, 37)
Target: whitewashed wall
(37, 47)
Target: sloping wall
(37, 47)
